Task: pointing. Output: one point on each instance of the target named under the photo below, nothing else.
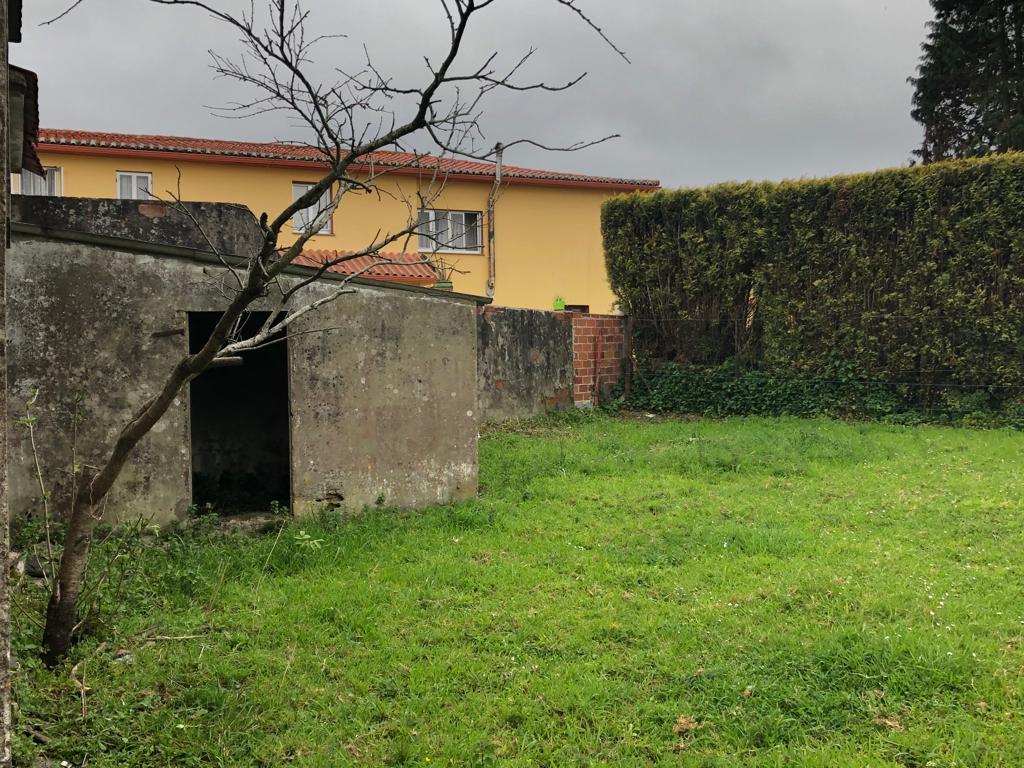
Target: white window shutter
(472, 233)
(424, 227)
(32, 184)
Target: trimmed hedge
(912, 275)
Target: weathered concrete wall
(82, 325)
(383, 406)
(532, 361)
(525, 362)
(387, 407)
(224, 228)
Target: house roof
(125, 144)
(410, 267)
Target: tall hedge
(913, 274)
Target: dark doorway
(240, 446)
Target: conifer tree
(969, 88)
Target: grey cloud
(717, 89)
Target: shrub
(731, 390)
(911, 276)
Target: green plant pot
(444, 285)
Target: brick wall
(598, 344)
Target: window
(449, 231)
(134, 186)
(305, 218)
(50, 184)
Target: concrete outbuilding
(372, 399)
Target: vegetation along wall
(892, 291)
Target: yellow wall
(548, 239)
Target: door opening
(239, 419)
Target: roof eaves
(201, 147)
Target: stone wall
(383, 405)
(531, 361)
(524, 362)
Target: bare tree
(347, 120)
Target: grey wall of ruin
(525, 362)
(382, 405)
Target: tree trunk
(62, 611)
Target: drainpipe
(492, 261)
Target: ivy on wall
(729, 390)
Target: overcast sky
(717, 89)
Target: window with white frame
(31, 183)
(48, 185)
(304, 219)
(133, 185)
(449, 231)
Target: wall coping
(41, 232)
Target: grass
(778, 591)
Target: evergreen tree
(969, 89)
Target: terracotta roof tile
(410, 268)
(52, 137)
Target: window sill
(453, 251)
(322, 233)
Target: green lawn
(799, 592)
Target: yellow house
(547, 247)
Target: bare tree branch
(347, 123)
(62, 14)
